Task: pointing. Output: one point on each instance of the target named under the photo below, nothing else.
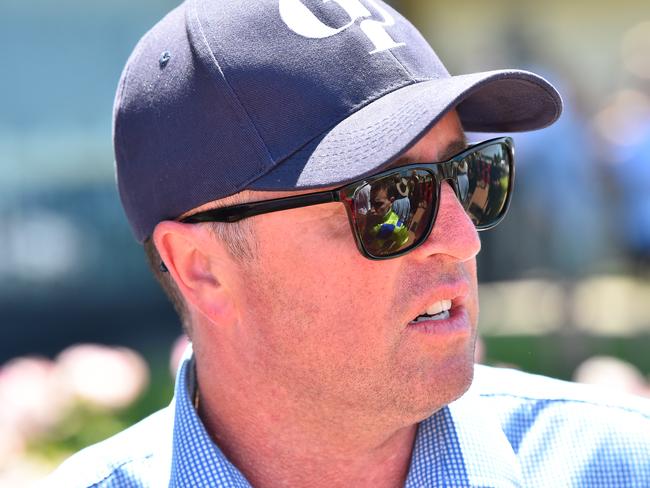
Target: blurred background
(86, 335)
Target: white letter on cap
(302, 21)
(376, 31)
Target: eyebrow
(454, 147)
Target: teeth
(426, 318)
(437, 311)
(439, 307)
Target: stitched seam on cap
(398, 123)
(371, 128)
(355, 108)
(260, 166)
(370, 152)
(394, 87)
(371, 98)
(406, 70)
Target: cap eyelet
(164, 59)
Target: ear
(197, 262)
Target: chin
(459, 381)
(447, 384)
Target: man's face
(333, 330)
(379, 203)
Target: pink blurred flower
(613, 373)
(106, 377)
(32, 395)
(33, 401)
(25, 472)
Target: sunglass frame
(441, 171)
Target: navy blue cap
(222, 96)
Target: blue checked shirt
(511, 429)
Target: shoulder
(139, 456)
(564, 426)
(510, 386)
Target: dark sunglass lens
(392, 212)
(483, 179)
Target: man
(401, 202)
(383, 227)
(244, 133)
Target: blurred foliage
(558, 354)
(87, 424)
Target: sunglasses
(393, 212)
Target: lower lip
(457, 323)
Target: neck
(275, 442)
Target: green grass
(558, 355)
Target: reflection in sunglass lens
(487, 178)
(392, 212)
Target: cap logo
(304, 22)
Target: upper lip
(456, 291)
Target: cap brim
(494, 101)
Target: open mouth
(437, 311)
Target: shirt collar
(463, 444)
(460, 445)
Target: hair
(238, 237)
(382, 184)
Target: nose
(453, 233)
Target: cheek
(319, 297)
